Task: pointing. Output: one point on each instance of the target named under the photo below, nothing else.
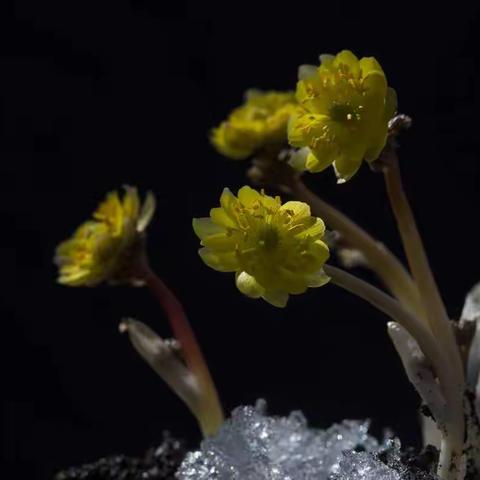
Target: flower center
(341, 112)
(268, 237)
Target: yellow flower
(103, 249)
(275, 249)
(260, 121)
(346, 105)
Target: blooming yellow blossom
(260, 121)
(345, 108)
(102, 249)
(274, 249)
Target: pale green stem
(393, 308)
(452, 442)
(419, 265)
(379, 258)
(433, 304)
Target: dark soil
(159, 463)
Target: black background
(95, 94)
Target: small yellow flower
(103, 249)
(346, 105)
(260, 121)
(274, 249)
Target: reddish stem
(192, 353)
(179, 323)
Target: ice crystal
(254, 446)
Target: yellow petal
(311, 95)
(204, 227)
(78, 277)
(298, 210)
(248, 285)
(220, 242)
(221, 218)
(228, 201)
(368, 65)
(110, 210)
(276, 298)
(350, 159)
(319, 160)
(316, 230)
(378, 143)
(346, 57)
(305, 126)
(220, 261)
(220, 138)
(345, 169)
(248, 196)
(272, 204)
(291, 282)
(296, 130)
(375, 85)
(318, 279)
(321, 252)
(90, 229)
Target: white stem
(471, 314)
(431, 435)
(445, 459)
(445, 371)
(419, 372)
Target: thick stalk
(393, 309)
(418, 261)
(448, 458)
(430, 295)
(452, 443)
(379, 258)
(212, 413)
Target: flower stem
(393, 309)
(379, 258)
(418, 261)
(436, 313)
(452, 431)
(212, 413)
